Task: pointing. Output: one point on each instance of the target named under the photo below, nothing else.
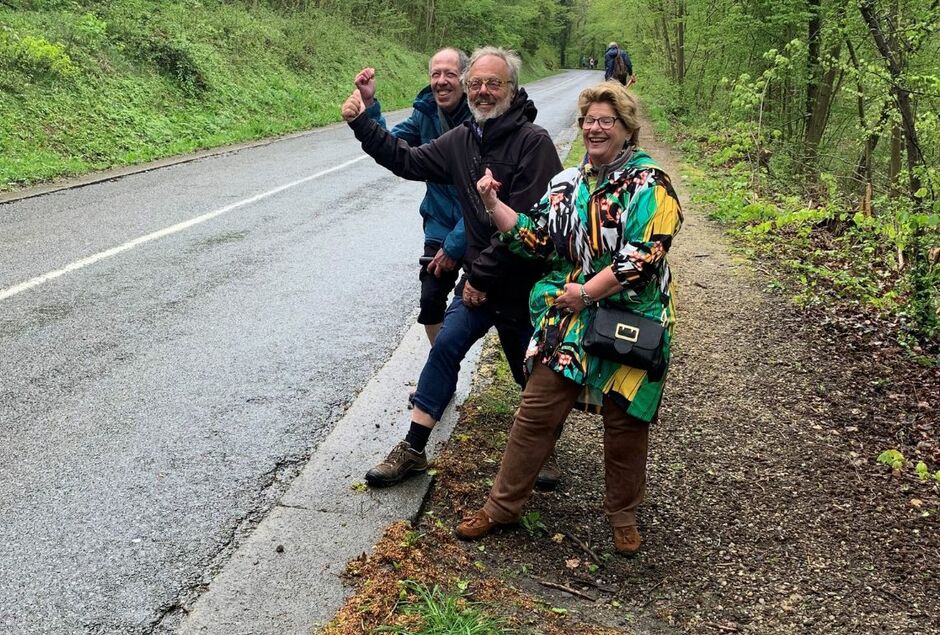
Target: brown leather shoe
(474, 526)
(401, 462)
(627, 540)
(550, 474)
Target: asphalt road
(175, 344)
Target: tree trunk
(680, 41)
(902, 96)
(814, 45)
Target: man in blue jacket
(440, 106)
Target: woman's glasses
(606, 123)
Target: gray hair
(463, 62)
(613, 45)
(511, 58)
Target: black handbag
(621, 336)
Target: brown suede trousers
(546, 401)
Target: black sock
(417, 436)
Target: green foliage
(88, 86)
(793, 107)
(532, 523)
(443, 613)
(25, 58)
(892, 458)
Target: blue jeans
(461, 329)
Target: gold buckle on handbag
(627, 332)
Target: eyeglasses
(606, 123)
(491, 84)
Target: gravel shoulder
(766, 510)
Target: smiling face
(603, 146)
(444, 74)
(486, 102)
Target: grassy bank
(86, 86)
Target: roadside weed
(443, 613)
(532, 523)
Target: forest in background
(814, 130)
(811, 126)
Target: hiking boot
(474, 526)
(550, 474)
(627, 540)
(402, 461)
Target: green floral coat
(626, 222)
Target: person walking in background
(440, 106)
(495, 287)
(617, 65)
(605, 228)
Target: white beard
(499, 108)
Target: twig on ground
(562, 587)
(588, 581)
(584, 547)
(700, 285)
(724, 628)
(895, 596)
(650, 592)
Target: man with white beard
(495, 286)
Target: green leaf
(892, 458)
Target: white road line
(167, 231)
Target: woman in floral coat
(605, 227)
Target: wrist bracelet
(585, 298)
(489, 211)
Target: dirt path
(766, 511)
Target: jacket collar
(424, 103)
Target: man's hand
(365, 82)
(471, 297)
(441, 263)
(352, 107)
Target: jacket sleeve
(428, 162)
(374, 112)
(538, 165)
(637, 262)
(455, 243)
(409, 129)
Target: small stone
(279, 549)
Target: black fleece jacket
(521, 156)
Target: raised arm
(422, 163)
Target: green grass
(444, 613)
(83, 90)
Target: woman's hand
(488, 187)
(570, 299)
